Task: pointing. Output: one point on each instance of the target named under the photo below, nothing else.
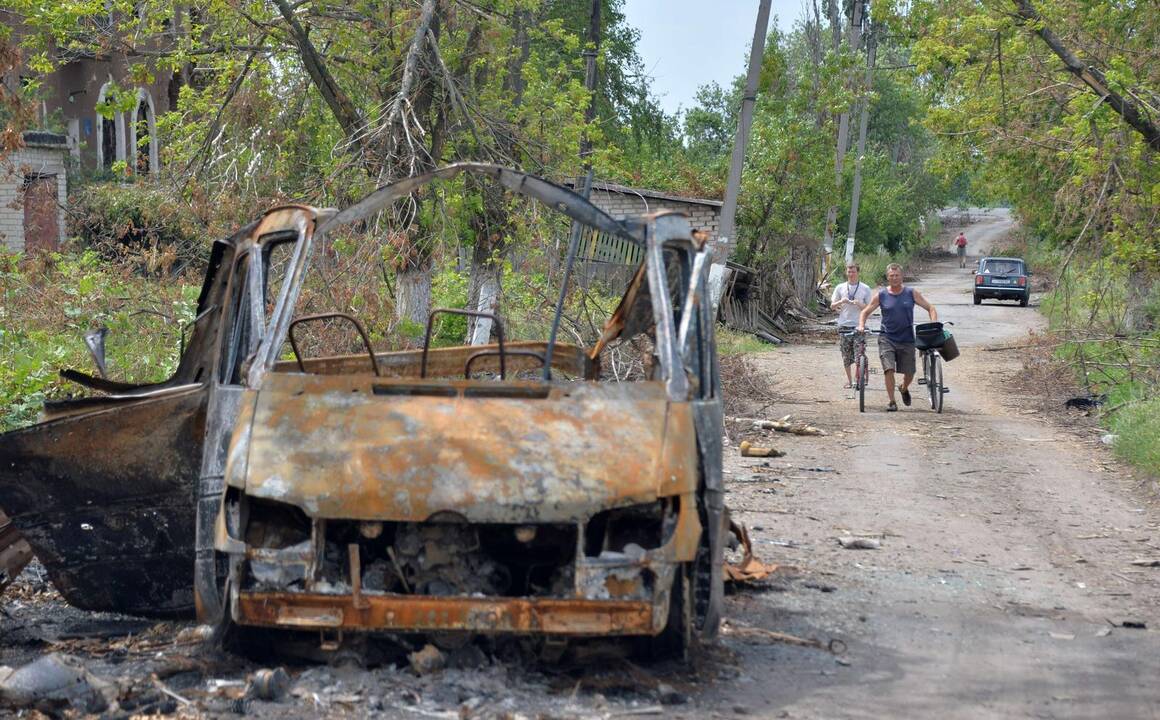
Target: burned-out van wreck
(488, 489)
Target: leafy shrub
(48, 302)
(1137, 427)
(142, 222)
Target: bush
(1137, 427)
(48, 302)
(141, 222)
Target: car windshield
(1003, 267)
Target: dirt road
(1005, 572)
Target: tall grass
(1137, 427)
(1086, 301)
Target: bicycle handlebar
(871, 331)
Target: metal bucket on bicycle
(933, 336)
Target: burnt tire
(230, 637)
(679, 636)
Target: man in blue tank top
(896, 343)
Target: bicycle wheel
(935, 382)
(863, 370)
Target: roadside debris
(749, 569)
(55, 682)
(748, 449)
(762, 636)
(427, 660)
(14, 552)
(859, 543)
(269, 685)
(784, 425)
(1147, 562)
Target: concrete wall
(33, 159)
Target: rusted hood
(358, 447)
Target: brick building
(69, 98)
(620, 201)
(33, 187)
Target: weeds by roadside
(1137, 431)
(48, 302)
(1096, 348)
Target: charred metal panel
(357, 448)
(14, 552)
(104, 499)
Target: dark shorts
(846, 344)
(898, 357)
(962, 250)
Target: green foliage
(1137, 430)
(139, 220)
(733, 342)
(1085, 310)
(1020, 126)
(48, 304)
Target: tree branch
(1092, 77)
(339, 103)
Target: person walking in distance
(896, 343)
(848, 300)
(961, 249)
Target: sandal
(892, 407)
(847, 386)
(905, 396)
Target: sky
(689, 43)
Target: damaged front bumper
(597, 591)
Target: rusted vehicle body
(495, 489)
(102, 488)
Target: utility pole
(871, 50)
(725, 239)
(855, 35)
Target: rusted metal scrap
(748, 449)
(749, 569)
(467, 489)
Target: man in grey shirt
(848, 299)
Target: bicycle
(932, 374)
(861, 364)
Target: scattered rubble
(14, 552)
(749, 569)
(761, 636)
(54, 682)
(785, 426)
(427, 660)
(270, 685)
(859, 543)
